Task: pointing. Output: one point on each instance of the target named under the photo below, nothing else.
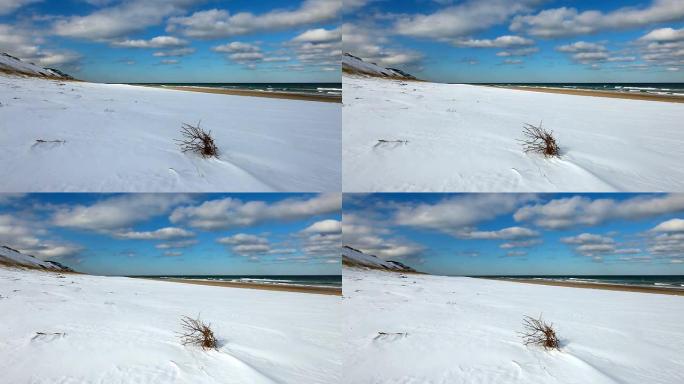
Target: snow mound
(14, 65)
(354, 258)
(354, 65)
(12, 257)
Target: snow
(123, 330)
(463, 330)
(120, 138)
(465, 138)
(12, 256)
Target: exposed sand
(266, 287)
(607, 287)
(240, 92)
(614, 95)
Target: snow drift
(94, 329)
(451, 330)
(84, 137)
(354, 258)
(13, 258)
(427, 137)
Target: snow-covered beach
(71, 328)
(465, 138)
(58, 136)
(408, 328)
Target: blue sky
(519, 234)
(129, 234)
(522, 40)
(177, 40)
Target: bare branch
(538, 332)
(196, 332)
(539, 140)
(195, 139)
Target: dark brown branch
(197, 140)
(538, 332)
(196, 332)
(539, 140)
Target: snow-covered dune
(355, 65)
(450, 330)
(13, 258)
(442, 137)
(91, 329)
(120, 138)
(354, 258)
(11, 64)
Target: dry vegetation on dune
(197, 140)
(539, 140)
(538, 332)
(196, 332)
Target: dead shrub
(197, 140)
(539, 140)
(538, 332)
(196, 332)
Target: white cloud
(246, 245)
(510, 233)
(121, 19)
(518, 52)
(155, 42)
(664, 35)
(453, 214)
(578, 210)
(319, 35)
(166, 233)
(236, 47)
(324, 227)
(116, 213)
(581, 46)
(176, 244)
(564, 21)
(376, 239)
(232, 213)
(461, 19)
(670, 226)
(26, 45)
(216, 23)
(500, 42)
(520, 244)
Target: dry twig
(196, 332)
(197, 140)
(539, 140)
(538, 332)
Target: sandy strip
(241, 92)
(265, 287)
(614, 95)
(607, 287)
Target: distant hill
(12, 65)
(356, 66)
(354, 258)
(13, 258)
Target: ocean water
(661, 281)
(673, 89)
(305, 280)
(318, 89)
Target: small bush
(196, 332)
(539, 140)
(538, 332)
(197, 140)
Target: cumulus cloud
(454, 214)
(178, 52)
(177, 244)
(564, 21)
(167, 233)
(520, 244)
(597, 246)
(319, 35)
(664, 35)
(324, 227)
(236, 47)
(155, 42)
(120, 19)
(116, 213)
(573, 211)
(670, 226)
(244, 244)
(518, 52)
(462, 19)
(500, 42)
(510, 233)
(233, 213)
(217, 23)
(27, 45)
